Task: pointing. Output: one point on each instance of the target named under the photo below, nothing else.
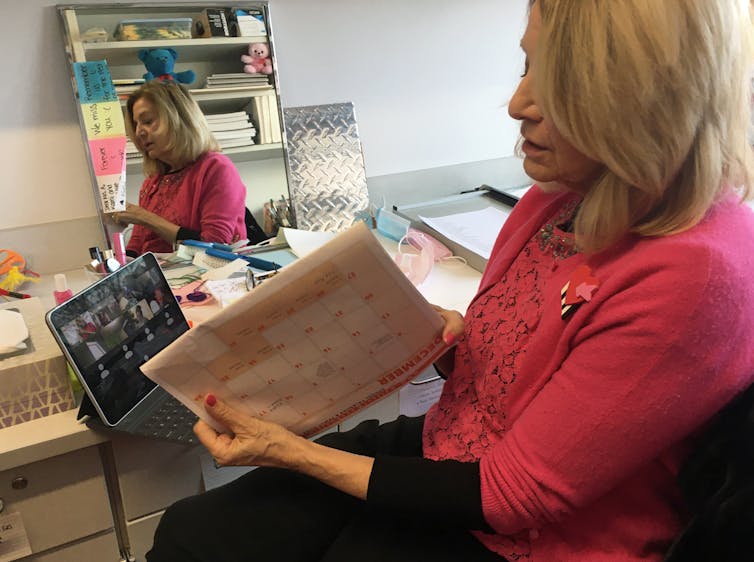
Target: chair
(717, 482)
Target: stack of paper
(232, 129)
(236, 79)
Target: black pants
(278, 515)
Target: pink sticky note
(108, 155)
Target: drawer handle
(19, 483)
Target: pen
(14, 294)
(203, 244)
(252, 261)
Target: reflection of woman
(561, 427)
(191, 191)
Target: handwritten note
(103, 120)
(108, 155)
(94, 82)
(112, 190)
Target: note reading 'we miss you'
(105, 131)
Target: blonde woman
(614, 320)
(191, 191)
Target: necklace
(557, 235)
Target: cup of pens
(277, 214)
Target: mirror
(209, 39)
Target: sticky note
(93, 82)
(108, 155)
(103, 119)
(112, 192)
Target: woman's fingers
(454, 325)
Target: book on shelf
(230, 125)
(330, 334)
(225, 116)
(237, 143)
(232, 89)
(276, 133)
(261, 118)
(250, 132)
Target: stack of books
(124, 87)
(232, 130)
(267, 119)
(236, 80)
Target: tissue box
(33, 383)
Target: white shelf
(239, 154)
(124, 52)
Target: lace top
(472, 413)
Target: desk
(119, 483)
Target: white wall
(429, 79)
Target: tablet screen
(112, 328)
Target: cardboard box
(33, 383)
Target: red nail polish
(450, 339)
(210, 400)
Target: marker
(203, 244)
(264, 265)
(15, 295)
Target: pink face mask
(417, 266)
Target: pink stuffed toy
(258, 59)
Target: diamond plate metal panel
(326, 176)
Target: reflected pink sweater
(207, 196)
(580, 424)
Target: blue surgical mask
(391, 225)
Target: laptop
(107, 332)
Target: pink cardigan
(604, 402)
(207, 196)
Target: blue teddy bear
(160, 64)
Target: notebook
(107, 332)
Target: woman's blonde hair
(658, 91)
(188, 131)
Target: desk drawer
(154, 474)
(61, 499)
(102, 548)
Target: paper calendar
(329, 335)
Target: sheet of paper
(215, 476)
(415, 399)
(475, 230)
(14, 542)
(303, 242)
(227, 291)
(327, 336)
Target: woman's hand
(454, 325)
(134, 214)
(254, 442)
(451, 333)
(251, 441)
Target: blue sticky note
(94, 82)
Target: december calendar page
(329, 335)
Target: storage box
(249, 22)
(152, 29)
(33, 383)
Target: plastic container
(153, 29)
